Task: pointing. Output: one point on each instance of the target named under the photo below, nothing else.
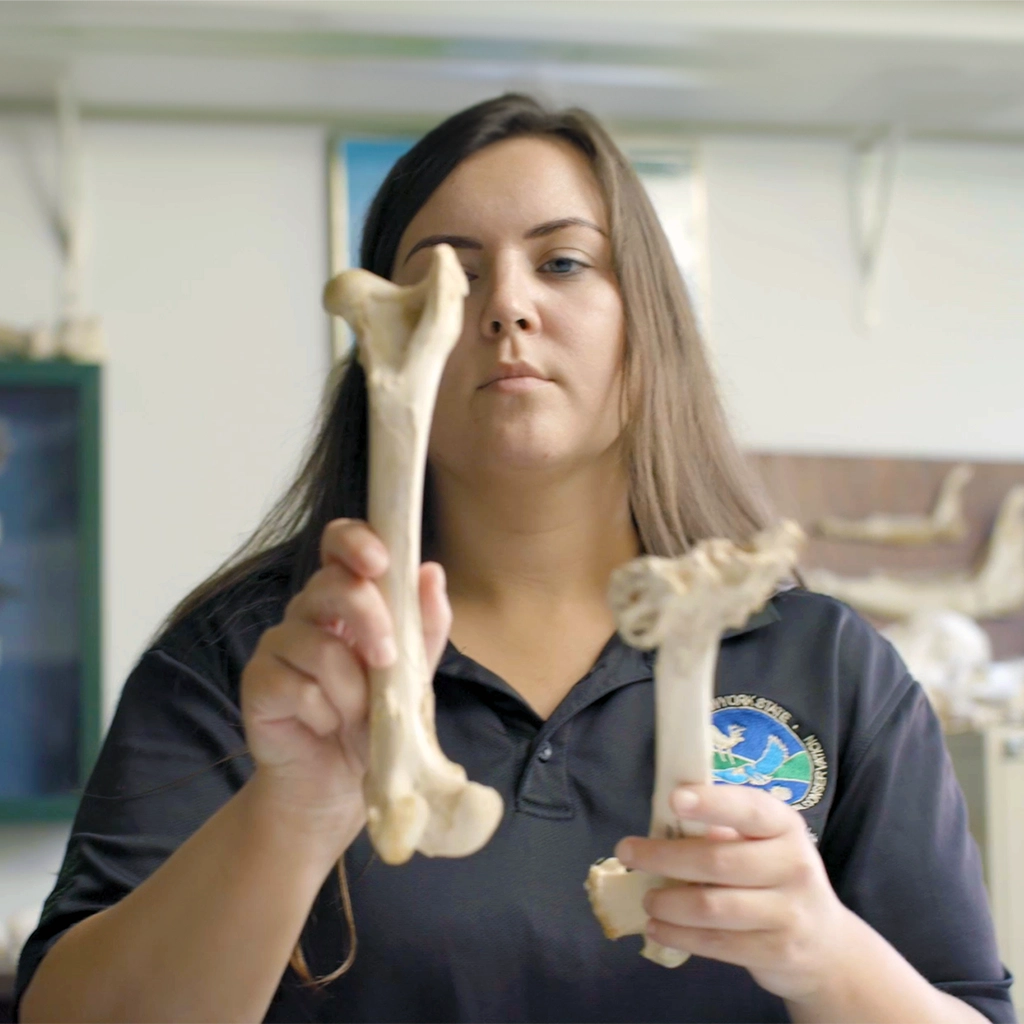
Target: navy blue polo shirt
(812, 704)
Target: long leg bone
(992, 591)
(682, 606)
(416, 798)
(946, 521)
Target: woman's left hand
(759, 896)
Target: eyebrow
(551, 226)
(462, 242)
(455, 241)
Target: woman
(576, 427)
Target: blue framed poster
(356, 169)
(367, 162)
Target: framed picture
(670, 170)
(49, 586)
(673, 176)
(356, 168)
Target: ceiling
(944, 69)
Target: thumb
(435, 611)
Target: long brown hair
(688, 479)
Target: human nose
(509, 305)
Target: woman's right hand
(305, 691)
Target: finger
(751, 812)
(279, 695)
(722, 833)
(351, 543)
(314, 710)
(715, 906)
(435, 611)
(745, 863)
(745, 949)
(281, 718)
(322, 661)
(352, 608)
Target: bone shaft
(394, 511)
(684, 680)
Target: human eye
(563, 266)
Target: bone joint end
(616, 896)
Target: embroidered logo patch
(756, 744)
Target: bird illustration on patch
(761, 771)
(755, 746)
(724, 743)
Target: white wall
(210, 252)
(208, 256)
(942, 373)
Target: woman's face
(536, 377)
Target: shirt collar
(765, 617)
(617, 658)
(617, 665)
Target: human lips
(515, 377)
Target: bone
(416, 799)
(37, 343)
(946, 522)
(682, 606)
(994, 590)
(78, 339)
(950, 655)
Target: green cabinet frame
(86, 382)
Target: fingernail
(384, 653)
(684, 800)
(624, 853)
(376, 560)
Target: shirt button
(545, 752)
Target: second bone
(682, 607)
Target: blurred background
(842, 182)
